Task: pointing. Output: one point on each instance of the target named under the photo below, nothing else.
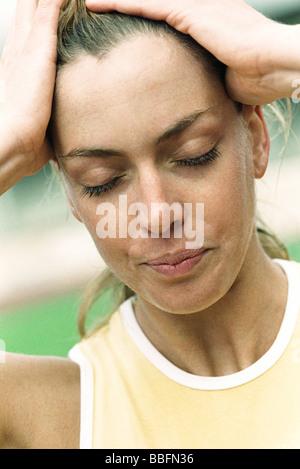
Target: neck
(230, 335)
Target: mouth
(177, 264)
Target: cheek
(113, 250)
(230, 204)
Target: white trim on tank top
(229, 381)
(86, 397)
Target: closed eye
(200, 160)
(98, 190)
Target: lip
(177, 264)
(176, 258)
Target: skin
(40, 397)
(140, 95)
(40, 403)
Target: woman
(203, 355)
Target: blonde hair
(81, 31)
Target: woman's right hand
(27, 80)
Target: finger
(47, 15)
(151, 9)
(25, 12)
(8, 49)
(236, 87)
(11, 33)
(20, 27)
(128, 7)
(45, 25)
(244, 90)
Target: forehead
(141, 86)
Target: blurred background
(47, 257)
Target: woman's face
(148, 111)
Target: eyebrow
(177, 129)
(182, 125)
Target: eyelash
(97, 191)
(203, 160)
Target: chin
(187, 299)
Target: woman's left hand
(262, 56)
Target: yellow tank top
(134, 398)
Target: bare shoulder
(39, 402)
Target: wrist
(12, 167)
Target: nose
(162, 213)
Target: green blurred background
(47, 258)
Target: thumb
(246, 90)
(154, 9)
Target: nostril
(165, 220)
